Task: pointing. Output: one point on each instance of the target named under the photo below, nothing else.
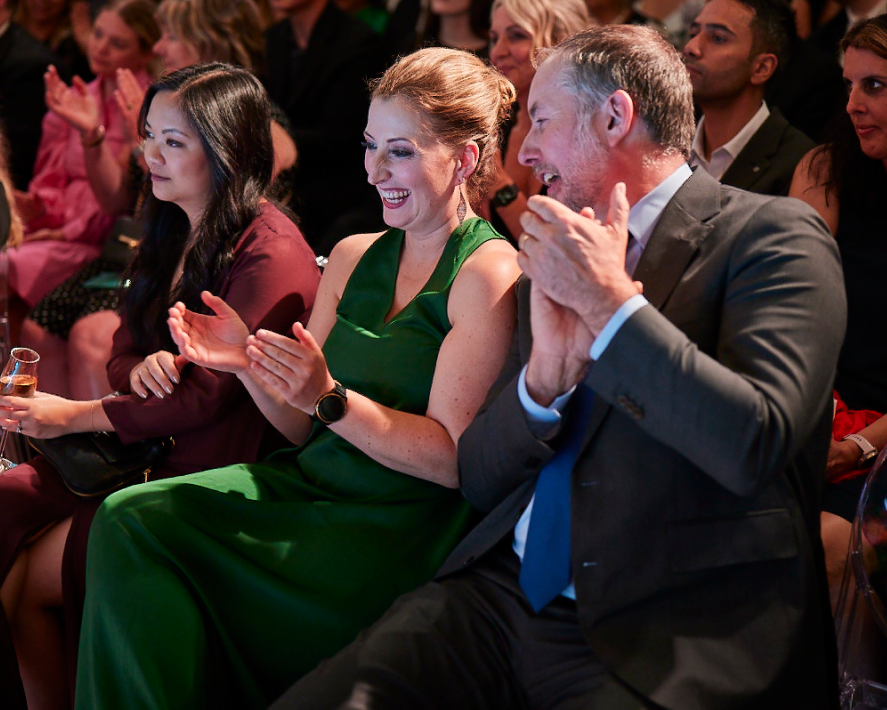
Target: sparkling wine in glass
(19, 379)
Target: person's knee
(33, 335)
(123, 510)
(90, 339)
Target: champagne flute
(18, 378)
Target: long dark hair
(848, 171)
(228, 109)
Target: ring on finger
(18, 429)
(524, 238)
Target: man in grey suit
(680, 415)
(735, 49)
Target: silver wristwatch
(869, 452)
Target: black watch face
(331, 408)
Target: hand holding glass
(18, 379)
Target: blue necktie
(545, 571)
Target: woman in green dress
(222, 589)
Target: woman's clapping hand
(129, 96)
(72, 103)
(217, 342)
(296, 369)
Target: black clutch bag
(97, 463)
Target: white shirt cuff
(625, 311)
(536, 413)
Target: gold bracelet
(95, 141)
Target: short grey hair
(639, 61)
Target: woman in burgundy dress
(207, 226)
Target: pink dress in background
(35, 268)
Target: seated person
(208, 224)
(65, 225)
(73, 324)
(518, 28)
(845, 182)
(650, 462)
(735, 48)
(266, 568)
(320, 60)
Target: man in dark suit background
(320, 59)
(735, 48)
(695, 398)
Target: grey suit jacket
(695, 549)
(767, 162)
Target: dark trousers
(470, 640)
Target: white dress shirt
(722, 158)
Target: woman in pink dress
(64, 224)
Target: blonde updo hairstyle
(548, 21)
(460, 99)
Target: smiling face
(174, 52)
(511, 50)
(180, 171)
(865, 74)
(563, 154)
(718, 55)
(114, 45)
(415, 174)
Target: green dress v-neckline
(378, 266)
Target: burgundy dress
(271, 283)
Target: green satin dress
(222, 588)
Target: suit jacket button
(630, 407)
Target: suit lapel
(675, 240)
(677, 236)
(755, 158)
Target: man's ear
(763, 67)
(618, 112)
(466, 161)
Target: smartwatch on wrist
(331, 406)
(504, 196)
(869, 452)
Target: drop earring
(462, 209)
